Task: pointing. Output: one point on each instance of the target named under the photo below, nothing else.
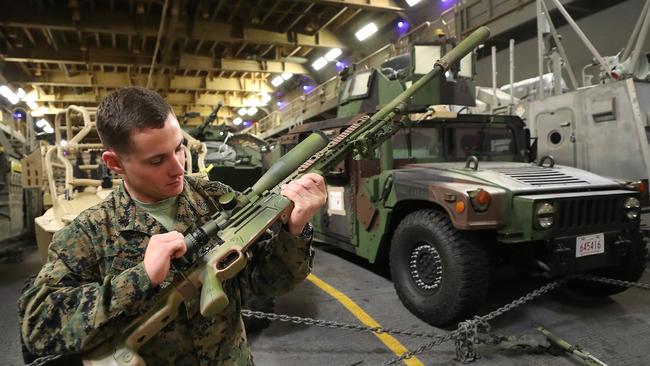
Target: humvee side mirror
(531, 142)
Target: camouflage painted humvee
(233, 158)
(455, 198)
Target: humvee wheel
(439, 273)
(630, 269)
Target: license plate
(590, 245)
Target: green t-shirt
(164, 211)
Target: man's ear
(112, 161)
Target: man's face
(153, 167)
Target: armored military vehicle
(235, 158)
(455, 196)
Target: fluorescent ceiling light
(42, 123)
(319, 63)
(332, 54)
(252, 111)
(48, 129)
(9, 94)
(365, 32)
(237, 121)
(413, 2)
(64, 143)
(265, 98)
(242, 111)
(20, 93)
(286, 75)
(277, 81)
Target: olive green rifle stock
(245, 217)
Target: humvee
(461, 198)
(452, 197)
(234, 158)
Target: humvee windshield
(456, 143)
(356, 87)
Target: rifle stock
(246, 217)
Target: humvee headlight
(545, 215)
(480, 199)
(632, 207)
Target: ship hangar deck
(345, 290)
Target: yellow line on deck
(390, 342)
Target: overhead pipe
(155, 51)
(583, 37)
(540, 52)
(495, 100)
(635, 33)
(560, 47)
(636, 52)
(512, 71)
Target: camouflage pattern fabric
(94, 283)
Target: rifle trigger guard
(233, 260)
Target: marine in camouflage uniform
(94, 283)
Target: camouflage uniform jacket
(94, 282)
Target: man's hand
(308, 194)
(160, 250)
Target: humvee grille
(540, 176)
(587, 211)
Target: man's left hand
(308, 194)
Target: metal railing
(324, 97)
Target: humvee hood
(520, 178)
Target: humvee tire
(630, 269)
(439, 273)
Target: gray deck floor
(616, 329)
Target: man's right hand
(162, 248)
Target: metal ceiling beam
(331, 20)
(342, 21)
(200, 29)
(270, 11)
(376, 5)
(284, 12)
(216, 10)
(202, 102)
(267, 50)
(234, 11)
(117, 79)
(29, 36)
(262, 66)
(223, 32)
(112, 57)
(24, 68)
(241, 48)
(299, 17)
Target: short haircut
(127, 110)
